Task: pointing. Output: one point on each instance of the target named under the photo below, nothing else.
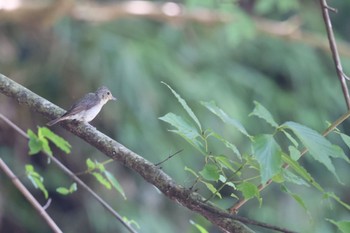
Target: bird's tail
(51, 123)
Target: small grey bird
(87, 108)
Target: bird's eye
(108, 93)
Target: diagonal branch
(151, 173)
(29, 197)
(333, 45)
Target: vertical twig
(29, 197)
(338, 66)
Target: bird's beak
(113, 98)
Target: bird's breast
(91, 113)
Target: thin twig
(334, 49)
(74, 177)
(29, 197)
(177, 152)
(246, 220)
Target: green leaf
(185, 106)
(34, 143)
(210, 172)
(294, 153)
(225, 162)
(63, 190)
(36, 179)
(199, 227)
(319, 147)
(212, 188)
(337, 199)
(223, 179)
(296, 197)
(211, 106)
(45, 146)
(73, 187)
(249, 190)
(191, 171)
(227, 144)
(346, 139)
(343, 226)
(268, 153)
(99, 177)
(91, 165)
(292, 178)
(291, 138)
(184, 129)
(115, 183)
(100, 166)
(261, 112)
(301, 171)
(131, 222)
(55, 139)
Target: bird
(86, 108)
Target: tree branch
(333, 45)
(29, 197)
(128, 158)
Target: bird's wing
(88, 101)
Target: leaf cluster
(273, 156)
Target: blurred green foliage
(232, 64)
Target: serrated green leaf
(115, 183)
(248, 190)
(346, 139)
(210, 172)
(184, 129)
(211, 106)
(301, 171)
(99, 177)
(227, 144)
(225, 162)
(63, 190)
(55, 139)
(343, 226)
(90, 165)
(292, 178)
(291, 138)
(261, 112)
(34, 143)
(294, 153)
(318, 146)
(199, 227)
(268, 153)
(36, 179)
(212, 189)
(296, 197)
(185, 106)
